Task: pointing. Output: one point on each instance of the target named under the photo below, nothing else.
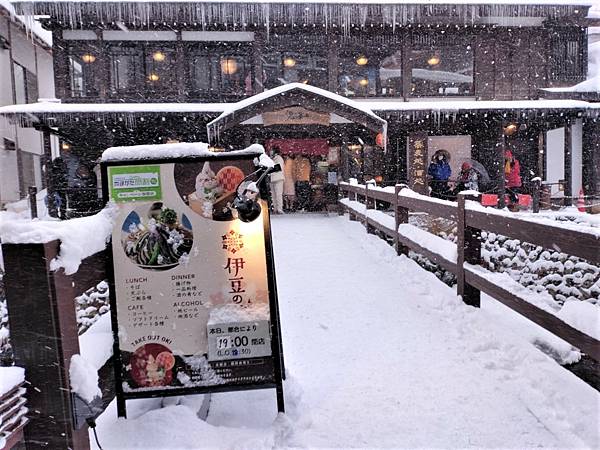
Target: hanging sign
(193, 294)
(417, 162)
(295, 115)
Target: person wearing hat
(512, 176)
(277, 179)
(439, 172)
(468, 179)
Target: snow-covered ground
(380, 353)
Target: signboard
(295, 115)
(193, 296)
(417, 162)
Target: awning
(295, 94)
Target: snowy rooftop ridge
(175, 150)
(346, 2)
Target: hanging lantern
(363, 82)
(433, 60)
(510, 129)
(153, 77)
(158, 56)
(229, 66)
(289, 62)
(362, 60)
(65, 146)
(88, 58)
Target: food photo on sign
(193, 285)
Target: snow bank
(80, 238)
(234, 313)
(84, 378)
(406, 192)
(96, 344)
(177, 150)
(10, 377)
(583, 316)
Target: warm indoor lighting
(304, 81)
(88, 58)
(363, 82)
(354, 147)
(153, 77)
(510, 129)
(158, 56)
(229, 66)
(65, 146)
(362, 60)
(289, 61)
(434, 60)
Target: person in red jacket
(512, 176)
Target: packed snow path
(379, 353)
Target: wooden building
(466, 76)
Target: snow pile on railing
(175, 150)
(430, 241)
(10, 377)
(80, 238)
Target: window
(126, 70)
(566, 62)
(219, 71)
(20, 86)
(296, 59)
(374, 69)
(9, 145)
(441, 70)
(84, 70)
(26, 89)
(160, 70)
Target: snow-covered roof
(331, 13)
(30, 23)
(370, 107)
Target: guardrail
(12, 416)
(44, 336)
(464, 258)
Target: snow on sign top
(176, 150)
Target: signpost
(193, 294)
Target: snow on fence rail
(12, 406)
(464, 259)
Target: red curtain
(309, 147)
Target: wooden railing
(12, 416)
(464, 258)
(41, 304)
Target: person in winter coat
(277, 179)
(439, 172)
(512, 176)
(468, 180)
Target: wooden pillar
(469, 251)
(257, 65)
(44, 336)
(499, 151)
(400, 216)
(591, 156)
(568, 153)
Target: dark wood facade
(503, 63)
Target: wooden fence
(464, 258)
(44, 337)
(12, 417)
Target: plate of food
(158, 240)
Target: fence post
(44, 336)
(469, 251)
(537, 186)
(32, 191)
(368, 203)
(400, 216)
(351, 196)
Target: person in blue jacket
(439, 172)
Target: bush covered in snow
(91, 305)
(562, 276)
(5, 348)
